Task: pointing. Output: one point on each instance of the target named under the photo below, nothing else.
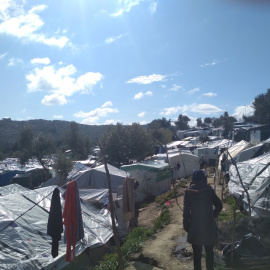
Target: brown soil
(168, 249)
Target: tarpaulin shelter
(24, 243)
(187, 161)
(255, 175)
(154, 178)
(93, 178)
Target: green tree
(63, 165)
(76, 142)
(160, 123)
(207, 121)
(227, 123)
(122, 143)
(39, 147)
(261, 105)
(216, 122)
(141, 143)
(164, 136)
(199, 122)
(182, 122)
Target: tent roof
(255, 175)
(24, 241)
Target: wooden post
(233, 235)
(115, 232)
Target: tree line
(123, 143)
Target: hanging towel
(128, 199)
(55, 224)
(72, 215)
(70, 219)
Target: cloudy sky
(107, 61)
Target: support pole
(115, 232)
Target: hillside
(10, 130)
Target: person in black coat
(201, 207)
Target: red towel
(70, 221)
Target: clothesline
(37, 203)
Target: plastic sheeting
(94, 178)
(255, 175)
(24, 243)
(154, 178)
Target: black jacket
(199, 215)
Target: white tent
(93, 178)
(24, 243)
(255, 175)
(154, 178)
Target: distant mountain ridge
(10, 130)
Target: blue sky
(107, 61)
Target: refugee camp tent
(255, 175)
(187, 161)
(93, 178)
(234, 150)
(253, 151)
(24, 243)
(154, 178)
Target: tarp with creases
(24, 243)
(93, 178)
(255, 176)
(154, 178)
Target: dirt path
(169, 249)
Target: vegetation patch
(228, 215)
(133, 243)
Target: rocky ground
(168, 250)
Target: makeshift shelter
(24, 242)
(187, 161)
(94, 181)
(93, 178)
(255, 175)
(154, 178)
(234, 150)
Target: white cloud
(60, 83)
(197, 108)
(143, 122)
(213, 63)
(54, 99)
(193, 91)
(2, 56)
(113, 39)
(147, 79)
(141, 95)
(170, 110)
(26, 25)
(246, 110)
(142, 114)
(111, 122)
(210, 94)
(58, 117)
(43, 61)
(14, 62)
(153, 7)
(204, 108)
(125, 6)
(176, 88)
(94, 115)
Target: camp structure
(92, 178)
(255, 176)
(187, 161)
(95, 181)
(24, 243)
(154, 178)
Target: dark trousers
(197, 257)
